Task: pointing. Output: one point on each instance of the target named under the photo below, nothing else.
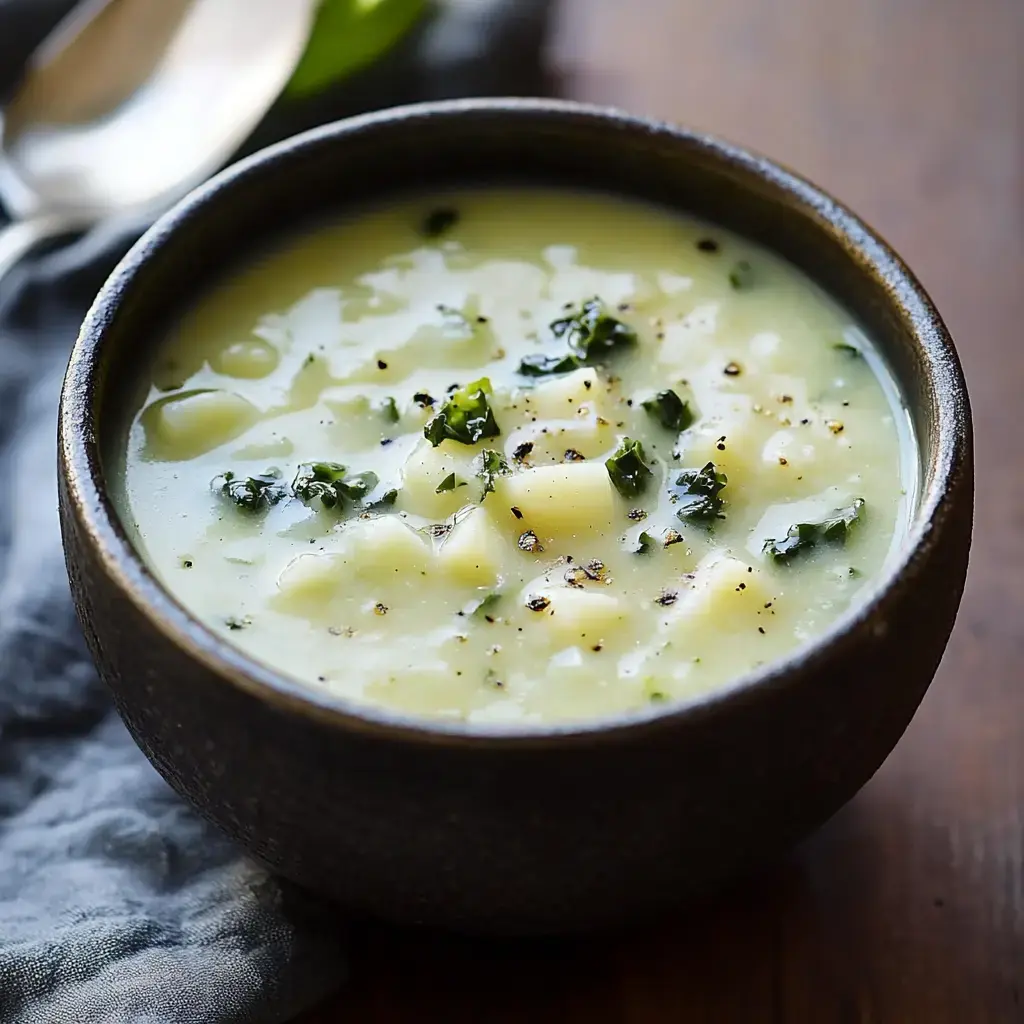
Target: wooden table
(908, 908)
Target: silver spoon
(130, 103)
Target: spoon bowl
(128, 104)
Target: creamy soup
(518, 456)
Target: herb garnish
(328, 482)
(848, 350)
(742, 276)
(644, 544)
(449, 483)
(696, 493)
(592, 335)
(389, 409)
(801, 537)
(669, 410)
(466, 417)
(627, 469)
(491, 464)
(439, 222)
(540, 365)
(253, 493)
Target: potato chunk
(584, 617)
(427, 468)
(474, 551)
(188, 425)
(561, 398)
(728, 595)
(561, 502)
(383, 550)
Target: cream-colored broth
(296, 358)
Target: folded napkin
(117, 902)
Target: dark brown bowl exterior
(444, 824)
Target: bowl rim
(81, 462)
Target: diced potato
(728, 596)
(249, 359)
(427, 468)
(564, 501)
(691, 341)
(786, 449)
(588, 435)
(576, 616)
(474, 551)
(310, 577)
(188, 425)
(727, 436)
(560, 398)
(382, 550)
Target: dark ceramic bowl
(551, 829)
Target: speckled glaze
(559, 828)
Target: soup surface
(518, 456)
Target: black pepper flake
(571, 455)
(522, 450)
(638, 515)
(438, 221)
(530, 543)
(537, 604)
(783, 461)
(481, 319)
(385, 441)
(380, 608)
(804, 422)
(672, 537)
(760, 630)
(421, 398)
(517, 512)
(588, 384)
(234, 623)
(707, 245)
(786, 399)
(381, 365)
(767, 604)
(666, 597)
(596, 647)
(186, 563)
(732, 369)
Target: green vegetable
(439, 221)
(386, 500)
(466, 417)
(328, 482)
(389, 409)
(644, 544)
(669, 410)
(801, 537)
(696, 493)
(627, 469)
(449, 483)
(253, 493)
(742, 276)
(485, 609)
(491, 464)
(539, 365)
(349, 34)
(593, 334)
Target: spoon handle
(18, 239)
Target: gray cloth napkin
(117, 902)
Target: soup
(518, 456)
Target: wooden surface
(908, 908)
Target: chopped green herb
(485, 608)
(696, 493)
(466, 417)
(801, 537)
(440, 221)
(253, 493)
(540, 365)
(848, 350)
(593, 334)
(669, 410)
(644, 544)
(389, 409)
(449, 483)
(491, 464)
(628, 470)
(328, 482)
(742, 276)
